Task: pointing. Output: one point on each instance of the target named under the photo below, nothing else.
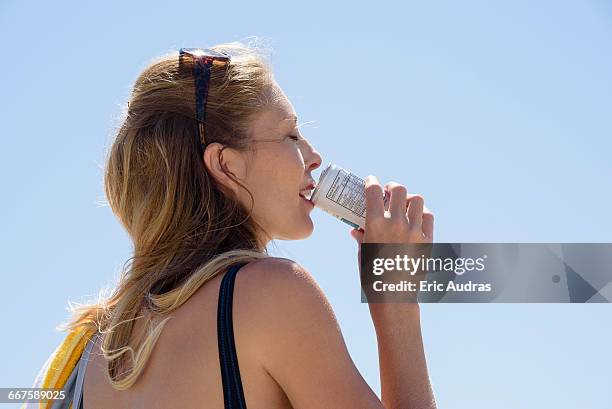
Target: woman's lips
(307, 190)
(307, 200)
(306, 193)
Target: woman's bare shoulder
(278, 283)
(286, 334)
(295, 336)
(276, 298)
(275, 268)
(270, 282)
(272, 298)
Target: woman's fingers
(428, 224)
(374, 198)
(395, 217)
(415, 210)
(404, 204)
(397, 202)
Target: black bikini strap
(233, 394)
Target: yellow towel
(65, 358)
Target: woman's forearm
(403, 370)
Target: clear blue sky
(499, 113)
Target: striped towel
(59, 371)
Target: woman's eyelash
(294, 137)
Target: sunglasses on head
(202, 61)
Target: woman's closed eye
(294, 137)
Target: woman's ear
(216, 158)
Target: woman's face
(278, 171)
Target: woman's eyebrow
(291, 118)
(283, 122)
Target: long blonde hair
(184, 229)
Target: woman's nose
(314, 159)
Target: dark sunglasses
(202, 62)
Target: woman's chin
(309, 229)
(299, 231)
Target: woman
(207, 167)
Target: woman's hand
(407, 219)
(403, 368)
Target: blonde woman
(207, 167)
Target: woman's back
(184, 368)
(289, 347)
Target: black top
(233, 395)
